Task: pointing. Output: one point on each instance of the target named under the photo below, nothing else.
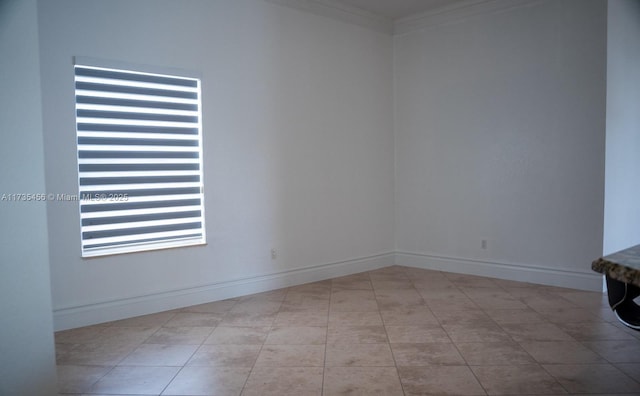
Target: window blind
(139, 138)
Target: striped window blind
(139, 139)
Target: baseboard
(517, 272)
(72, 317)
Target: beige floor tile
(359, 285)
(537, 332)
(543, 301)
(180, 335)
(360, 276)
(212, 307)
(439, 380)
(135, 380)
(514, 316)
(397, 299)
(82, 335)
(225, 355)
(485, 292)
(159, 355)
(516, 380)
(256, 307)
(359, 355)
(353, 301)
(238, 335)
(300, 301)
(284, 381)
(472, 281)
(441, 327)
(391, 284)
(597, 378)
(434, 284)
(494, 353)
(194, 319)
(341, 319)
(273, 295)
(427, 354)
(352, 282)
(99, 394)
(153, 320)
(126, 335)
(553, 289)
(621, 351)
(356, 335)
(362, 381)
(476, 332)
(209, 381)
(417, 274)
(301, 318)
(561, 315)
(245, 319)
(416, 334)
(465, 317)
(554, 352)
(584, 298)
(78, 379)
(634, 333)
(352, 285)
(291, 356)
(631, 369)
(448, 301)
(606, 314)
(493, 302)
(505, 284)
(352, 295)
(419, 315)
(314, 288)
(599, 331)
(92, 354)
(521, 292)
(297, 335)
(494, 299)
(446, 293)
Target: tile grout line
(271, 327)
(376, 293)
(467, 365)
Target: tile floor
(394, 331)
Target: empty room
(317, 197)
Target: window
(139, 160)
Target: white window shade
(139, 160)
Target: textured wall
(298, 139)
(500, 131)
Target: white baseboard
(72, 317)
(523, 273)
(78, 316)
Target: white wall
(499, 136)
(622, 186)
(500, 133)
(27, 358)
(298, 142)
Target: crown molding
(342, 12)
(457, 12)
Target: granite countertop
(623, 266)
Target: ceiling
(398, 9)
